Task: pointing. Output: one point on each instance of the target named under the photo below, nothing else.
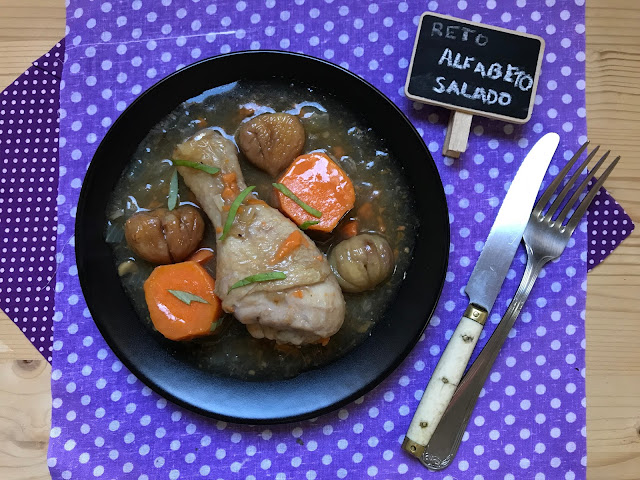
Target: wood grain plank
(28, 29)
(25, 418)
(613, 300)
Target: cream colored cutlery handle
(444, 442)
(443, 383)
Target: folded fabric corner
(608, 225)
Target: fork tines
(582, 206)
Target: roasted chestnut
(165, 236)
(362, 262)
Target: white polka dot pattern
(106, 423)
(608, 224)
(28, 184)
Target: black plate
(311, 393)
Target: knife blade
(482, 289)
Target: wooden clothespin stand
(457, 136)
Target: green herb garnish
(197, 165)
(308, 223)
(187, 297)
(292, 196)
(259, 277)
(173, 191)
(233, 210)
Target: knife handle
(445, 441)
(444, 381)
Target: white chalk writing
(495, 71)
(487, 96)
(456, 32)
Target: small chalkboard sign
(473, 69)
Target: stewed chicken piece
(305, 306)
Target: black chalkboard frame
(467, 110)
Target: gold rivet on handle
(476, 314)
(412, 447)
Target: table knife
(482, 289)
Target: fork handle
(446, 439)
(444, 381)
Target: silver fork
(545, 239)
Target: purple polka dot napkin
(609, 225)
(530, 421)
(28, 191)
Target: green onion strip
(308, 223)
(187, 297)
(310, 210)
(196, 165)
(173, 191)
(233, 210)
(259, 277)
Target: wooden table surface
(28, 28)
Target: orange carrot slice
(350, 229)
(176, 318)
(287, 247)
(230, 190)
(201, 256)
(321, 184)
